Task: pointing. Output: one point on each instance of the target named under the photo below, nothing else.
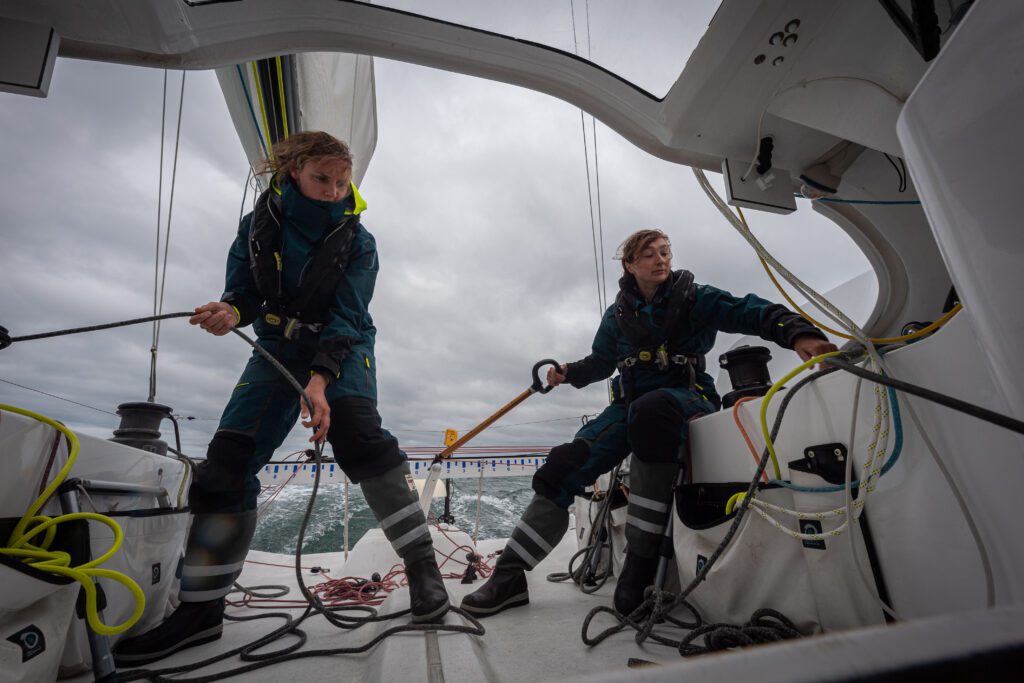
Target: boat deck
(537, 642)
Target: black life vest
(657, 347)
(320, 275)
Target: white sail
(325, 91)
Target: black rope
(765, 626)
(658, 605)
(971, 409)
(901, 174)
(107, 326)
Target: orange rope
(746, 437)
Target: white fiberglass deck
(540, 641)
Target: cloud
(479, 203)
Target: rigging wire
(245, 191)
(601, 300)
(59, 398)
(159, 216)
(158, 309)
(597, 181)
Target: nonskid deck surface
(537, 642)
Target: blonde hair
(630, 249)
(292, 153)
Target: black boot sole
(514, 601)
(196, 639)
(434, 616)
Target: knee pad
(362, 448)
(655, 427)
(219, 482)
(561, 462)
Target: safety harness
(657, 347)
(319, 276)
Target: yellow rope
(842, 335)
(263, 111)
(58, 562)
(768, 397)
(280, 92)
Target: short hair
(630, 249)
(292, 153)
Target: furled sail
(269, 99)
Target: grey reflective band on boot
(650, 499)
(397, 509)
(539, 530)
(215, 554)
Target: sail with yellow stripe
(269, 99)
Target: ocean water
(502, 501)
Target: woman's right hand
(216, 317)
(556, 377)
(320, 420)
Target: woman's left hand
(320, 420)
(807, 346)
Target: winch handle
(538, 385)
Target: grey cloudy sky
(478, 200)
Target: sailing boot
(637, 574)
(539, 530)
(214, 556)
(650, 502)
(398, 510)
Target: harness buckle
(294, 328)
(272, 318)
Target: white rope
(870, 585)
